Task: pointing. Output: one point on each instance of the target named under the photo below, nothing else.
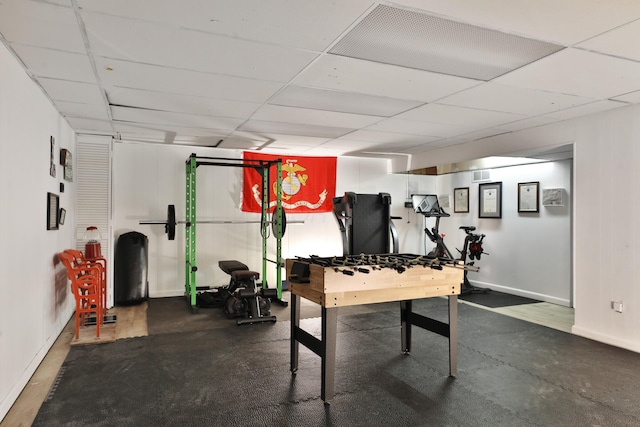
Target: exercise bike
(428, 206)
(472, 246)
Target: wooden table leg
(329, 332)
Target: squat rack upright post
(263, 167)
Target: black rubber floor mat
(510, 373)
(495, 299)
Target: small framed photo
(53, 204)
(63, 215)
(461, 199)
(553, 197)
(490, 200)
(529, 197)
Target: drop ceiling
(325, 78)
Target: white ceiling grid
(356, 77)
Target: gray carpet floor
(203, 370)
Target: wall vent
(481, 176)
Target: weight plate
(170, 226)
(274, 224)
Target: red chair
(87, 290)
(98, 263)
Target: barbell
(170, 223)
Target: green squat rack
(278, 222)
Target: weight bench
(246, 301)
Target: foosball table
(334, 282)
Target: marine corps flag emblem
(308, 184)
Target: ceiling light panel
(416, 40)
(342, 102)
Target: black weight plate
(170, 226)
(274, 224)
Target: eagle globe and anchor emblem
(292, 183)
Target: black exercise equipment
(131, 284)
(171, 223)
(472, 246)
(427, 205)
(244, 300)
(365, 223)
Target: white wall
(529, 254)
(147, 178)
(606, 202)
(35, 301)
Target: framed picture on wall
(53, 204)
(461, 199)
(528, 197)
(490, 200)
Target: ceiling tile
(355, 75)
(289, 140)
(496, 97)
(315, 26)
(83, 125)
(143, 42)
(344, 102)
(126, 74)
(276, 113)
(577, 72)
(61, 90)
(621, 42)
(385, 137)
(180, 103)
(632, 97)
(35, 23)
(469, 118)
(411, 127)
(75, 109)
(527, 123)
(56, 64)
(261, 127)
(584, 110)
(138, 115)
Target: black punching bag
(131, 266)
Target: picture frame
(553, 197)
(62, 216)
(52, 165)
(490, 200)
(529, 197)
(66, 160)
(53, 206)
(461, 200)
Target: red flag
(308, 184)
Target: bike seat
(467, 228)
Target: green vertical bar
(264, 226)
(190, 248)
(279, 233)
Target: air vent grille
(416, 40)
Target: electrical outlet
(616, 306)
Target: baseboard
(596, 336)
(522, 293)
